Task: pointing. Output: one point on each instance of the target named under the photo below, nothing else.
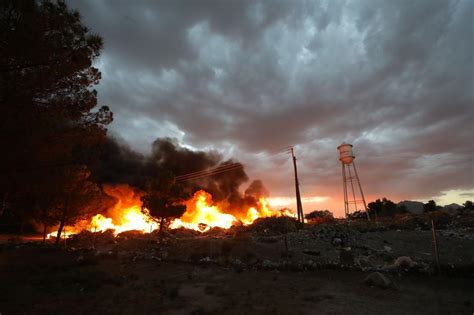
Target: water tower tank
(345, 153)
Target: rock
(310, 264)
(404, 262)
(378, 280)
(369, 262)
(336, 241)
(387, 248)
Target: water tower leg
(361, 191)
(352, 186)
(344, 189)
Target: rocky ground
(269, 267)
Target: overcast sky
(248, 78)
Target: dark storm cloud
(395, 78)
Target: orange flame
(199, 209)
(126, 214)
(201, 214)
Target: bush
(275, 224)
(357, 215)
(440, 218)
(407, 221)
(385, 208)
(319, 216)
(465, 220)
(431, 206)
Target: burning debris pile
(201, 214)
(134, 192)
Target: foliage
(72, 197)
(164, 199)
(356, 215)
(319, 216)
(440, 218)
(275, 225)
(468, 206)
(385, 207)
(48, 114)
(431, 206)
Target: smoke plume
(119, 164)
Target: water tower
(350, 178)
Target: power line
(205, 175)
(209, 172)
(203, 172)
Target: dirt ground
(240, 273)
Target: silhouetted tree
(164, 200)
(73, 197)
(48, 113)
(41, 202)
(383, 207)
(430, 206)
(468, 205)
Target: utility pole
(299, 206)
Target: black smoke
(119, 164)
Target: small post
(435, 245)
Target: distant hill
(451, 208)
(414, 207)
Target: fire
(126, 214)
(199, 209)
(253, 214)
(201, 214)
